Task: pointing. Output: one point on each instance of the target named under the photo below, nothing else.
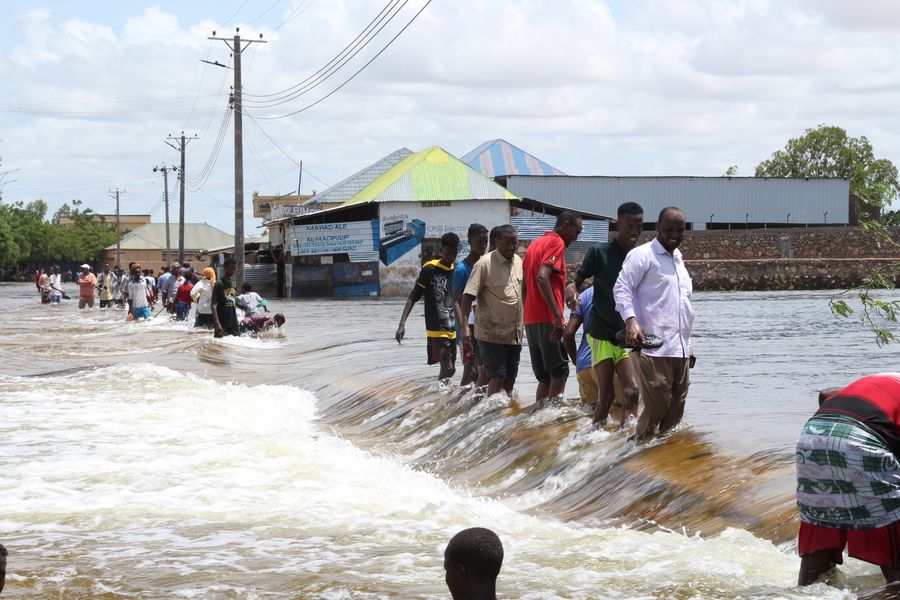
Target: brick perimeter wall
(785, 259)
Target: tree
(827, 151)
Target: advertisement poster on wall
(406, 226)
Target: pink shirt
(88, 284)
(654, 287)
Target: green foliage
(828, 151)
(28, 240)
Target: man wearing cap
(87, 281)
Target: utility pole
(236, 50)
(165, 171)
(182, 142)
(118, 225)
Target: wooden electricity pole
(182, 143)
(118, 225)
(236, 50)
(165, 171)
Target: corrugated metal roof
(197, 236)
(703, 199)
(531, 227)
(432, 174)
(349, 187)
(498, 157)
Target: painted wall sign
(334, 238)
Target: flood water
(149, 460)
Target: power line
(234, 14)
(352, 77)
(263, 13)
(289, 157)
(293, 15)
(364, 33)
(199, 181)
(333, 70)
(261, 166)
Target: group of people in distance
(177, 288)
(493, 298)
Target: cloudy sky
(90, 90)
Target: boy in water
(472, 563)
(435, 283)
(260, 323)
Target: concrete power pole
(165, 171)
(118, 225)
(236, 50)
(182, 143)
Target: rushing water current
(149, 460)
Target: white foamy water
(133, 466)
(139, 481)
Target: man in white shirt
(55, 285)
(653, 294)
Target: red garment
(183, 293)
(874, 401)
(550, 250)
(877, 546)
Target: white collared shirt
(654, 287)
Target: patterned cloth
(847, 477)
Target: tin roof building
(496, 158)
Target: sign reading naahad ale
(334, 238)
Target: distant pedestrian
(653, 295)
(107, 283)
(56, 293)
(201, 294)
(435, 284)
(163, 280)
(43, 286)
(87, 282)
(167, 293)
(478, 240)
(119, 288)
(545, 286)
(472, 562)
(223, 302)
(250, 301)
(139, 294)
(496, 283)
(183, 299)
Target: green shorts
(604, 350)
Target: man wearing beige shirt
(496, 282)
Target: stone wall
(785, 274)
(818, 242)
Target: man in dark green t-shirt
(223, 295)
(603, 262)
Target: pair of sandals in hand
(650, 342)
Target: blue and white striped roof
(497, 158)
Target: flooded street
(150, 460)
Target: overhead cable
(352, 77)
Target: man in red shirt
(544, 286)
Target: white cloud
(662, 87)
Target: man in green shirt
(603, 263)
